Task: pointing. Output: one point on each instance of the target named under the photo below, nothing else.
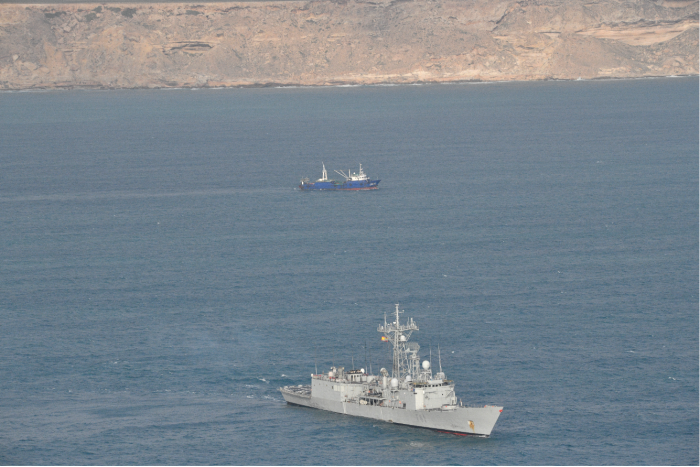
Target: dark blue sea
(161, 275)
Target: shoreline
(273, 85)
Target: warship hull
(473, 421)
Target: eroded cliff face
(334, 42)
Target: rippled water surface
(161, 276)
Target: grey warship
(411, 395)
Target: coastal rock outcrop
(324, 42)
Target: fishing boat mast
(324, 177)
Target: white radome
(426, 364)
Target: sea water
(162, 276)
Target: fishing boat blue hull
(353, 185)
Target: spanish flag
(384, 338)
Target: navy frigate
(411, 395)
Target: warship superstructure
(353, 181)
(410, 395)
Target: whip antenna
(431, 356)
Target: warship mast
(399, 334)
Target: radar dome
(426, 364)
(408, 378)
(402, 338)
(362, 370)
(331, 374)
(394, 383)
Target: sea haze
(162, 275)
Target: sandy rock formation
(342, 41)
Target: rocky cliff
(342, 41)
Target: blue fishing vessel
(353, 181)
